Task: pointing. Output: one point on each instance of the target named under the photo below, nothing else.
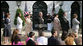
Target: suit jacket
(40, 20)
(30, 42)
(75, 23)
(64, 24)
(53, 41)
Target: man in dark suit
(65, 26)
(40, 22)
(53, 40)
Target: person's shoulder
(27, 19)
(54, 17)
(41, 37)
(73, 18)
(38, 38)
(6, 19)
(51, 38)
(18, 17)
(61, 42)
(31, 40)
(45, 38)
(63, 17)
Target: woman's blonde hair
(70, 39)
(75, 15)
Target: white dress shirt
(19, 22)
(42, 40)
(75, 23)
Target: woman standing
(57, 26)
(28, 27)
(75, 23)
(19, 22)
(40, 23)
(7, 28)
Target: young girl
(15, 32)
(15, 38)
(7, 28)
(17, 41)
(19, 22)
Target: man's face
(55, 33)
(41, 14)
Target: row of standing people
(57, 26)
(7, 28)
(63, 24)
(28, 23)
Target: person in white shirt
(19, 23)
(75, 25)
(42, 40)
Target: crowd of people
(58, 25)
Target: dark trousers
(64, 34)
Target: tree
(60, 13)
